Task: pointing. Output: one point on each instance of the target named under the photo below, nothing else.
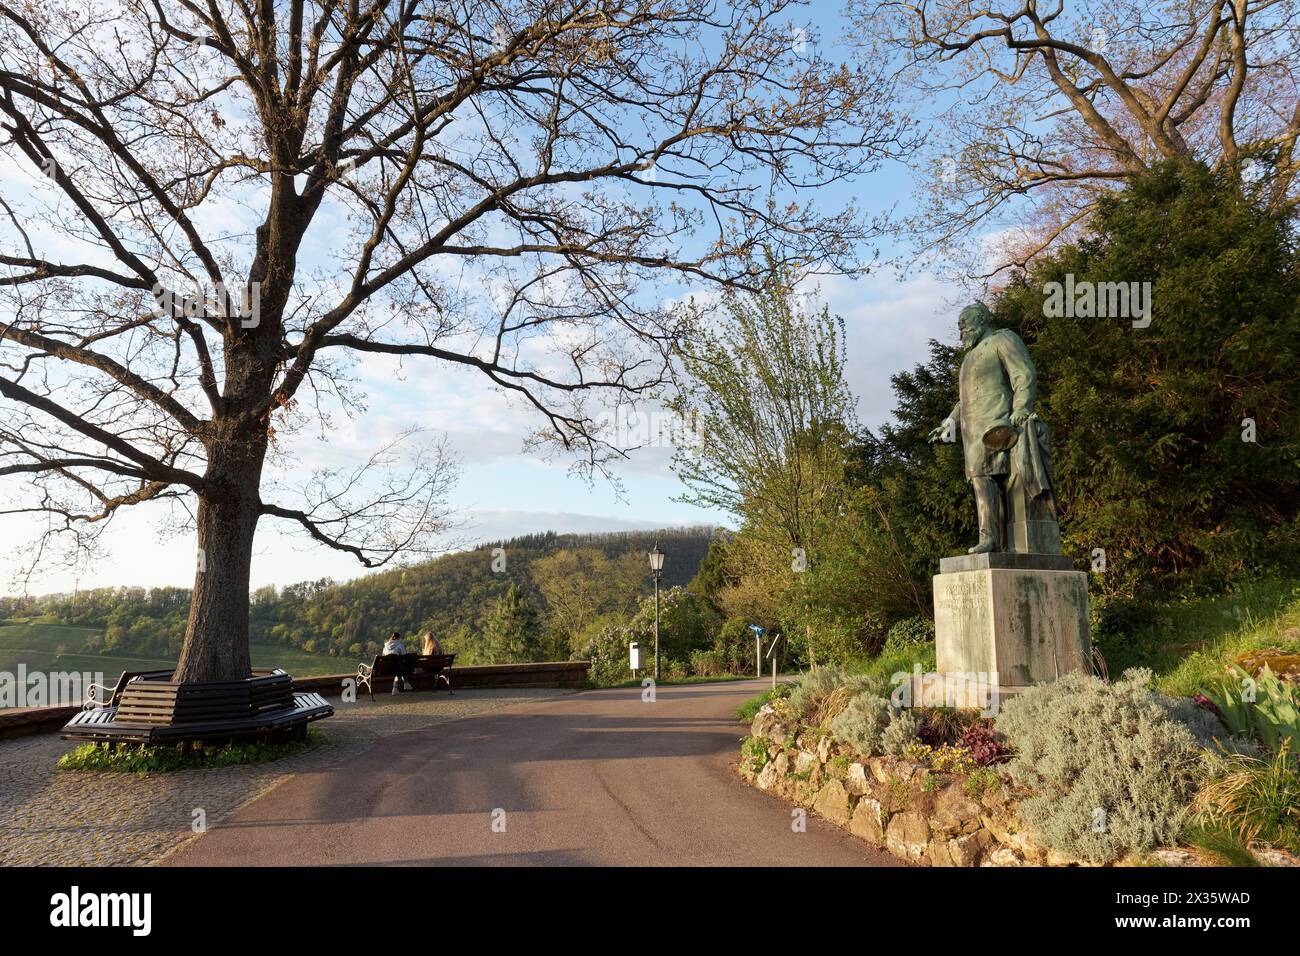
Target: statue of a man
(1011, 478)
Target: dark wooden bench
(101, 695)
(419, 669)
(150, 708)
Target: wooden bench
(419, 669)
(149, 708)
(101, 695)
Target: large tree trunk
(216, 636)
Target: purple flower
(1200, 700)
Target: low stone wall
(918, 814)
(22, 722)
(25, 721)
(542, 674)
(899, 805)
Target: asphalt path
(594, 778)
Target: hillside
(306, 627)
(450, 595)
(53, 648)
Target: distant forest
(533, 599)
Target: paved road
(596, 778)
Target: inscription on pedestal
(962, 612)
(1026, 625)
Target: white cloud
(889, 323)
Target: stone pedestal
(1023, 617)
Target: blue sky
(503, 492)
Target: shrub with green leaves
(1262, 707)
(687, 623)
(1124, 630)
(910, 632)
(750, 708)
(753, 754)
(1110, 768)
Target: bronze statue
(1006, 447)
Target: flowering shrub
(946, 758)
(919, 752)
(951, 758)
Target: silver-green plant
(901, 733)
(862, 723)
(1110, 768)
(811, 686)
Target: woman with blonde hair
(431, 645)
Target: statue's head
(974, 323)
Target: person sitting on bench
(394, 645)
(431, 645)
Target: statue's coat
(997, 379)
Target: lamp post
(656, 568)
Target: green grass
(1226, 847)
(746, 712)
(1189, 642)
(146, 760)
(900, 661)
(43, 646)
(670, 682)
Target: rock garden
(1079, 772)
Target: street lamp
(656, 569)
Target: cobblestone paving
(79, 818)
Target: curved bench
(150, 708)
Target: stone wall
(917, 814)
(540, 674)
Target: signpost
(776, 640)
(758, 649)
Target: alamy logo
(39, 689)
(975, 690)
(215, 302)
(74, 909)
(1098, 300)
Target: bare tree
(240, 198)
(1043, 107)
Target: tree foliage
(1044, 109)
(1152, 426)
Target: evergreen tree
(1177, 445)
(510, 632)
